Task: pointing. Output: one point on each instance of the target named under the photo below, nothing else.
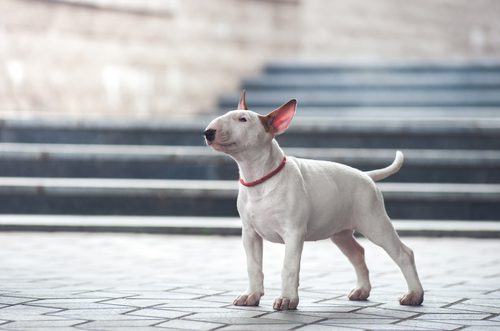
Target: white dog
(289, 200)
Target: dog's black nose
(209, 134)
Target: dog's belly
(272, 229)
(324, 230)
(272, 222)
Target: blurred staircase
(445, 118)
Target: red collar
(266, 177)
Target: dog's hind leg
(356, 255)
(382, 233)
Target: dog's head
(241, 130)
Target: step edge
(95, 152)
(220, 226)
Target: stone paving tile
(228, 319)
(102, 324)
(189, 325)
(475, 322)
(60, 328)
(6, 300)
(319, 327)
(95, 314)
(167, 304)
(379, 327)
(161, 313)
(49, 293)
(261, 327)
(476, 308)
(132, 302)
(26, 313)
(424, 309)
(148, 282)
(322, 310)
(453, 316)
(342, 301)
(35, 324)
(490, 302)
(113, 328)
(354, 320)
(389, 313)
(102, 295)
(293, 317)
(430, 325)
(198, 291)
(357, 316)
(226, 314)
(71, 305)
(199, 310)
(168, 296)
(219, 298)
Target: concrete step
(380, 67)
(217, 198)
(385, 85)
(373, 81)
(422, 115)
(348, 133)
(190, 162)
(486, 97)
(219, 225)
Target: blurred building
(159, 58)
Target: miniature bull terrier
(290, 200)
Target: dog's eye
(242, 119)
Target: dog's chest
(266, 218)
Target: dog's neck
(255, 164)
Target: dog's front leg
(289, 298)
(252, 243)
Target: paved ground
(125, 281)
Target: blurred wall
(157, 58)
(403, 30)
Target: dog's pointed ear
(242, 105)
(277, 121)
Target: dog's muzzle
(209, 134)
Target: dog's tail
(383, 173)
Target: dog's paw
(412, 299)
(247, 299)
(359, 294)
(284, 303)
